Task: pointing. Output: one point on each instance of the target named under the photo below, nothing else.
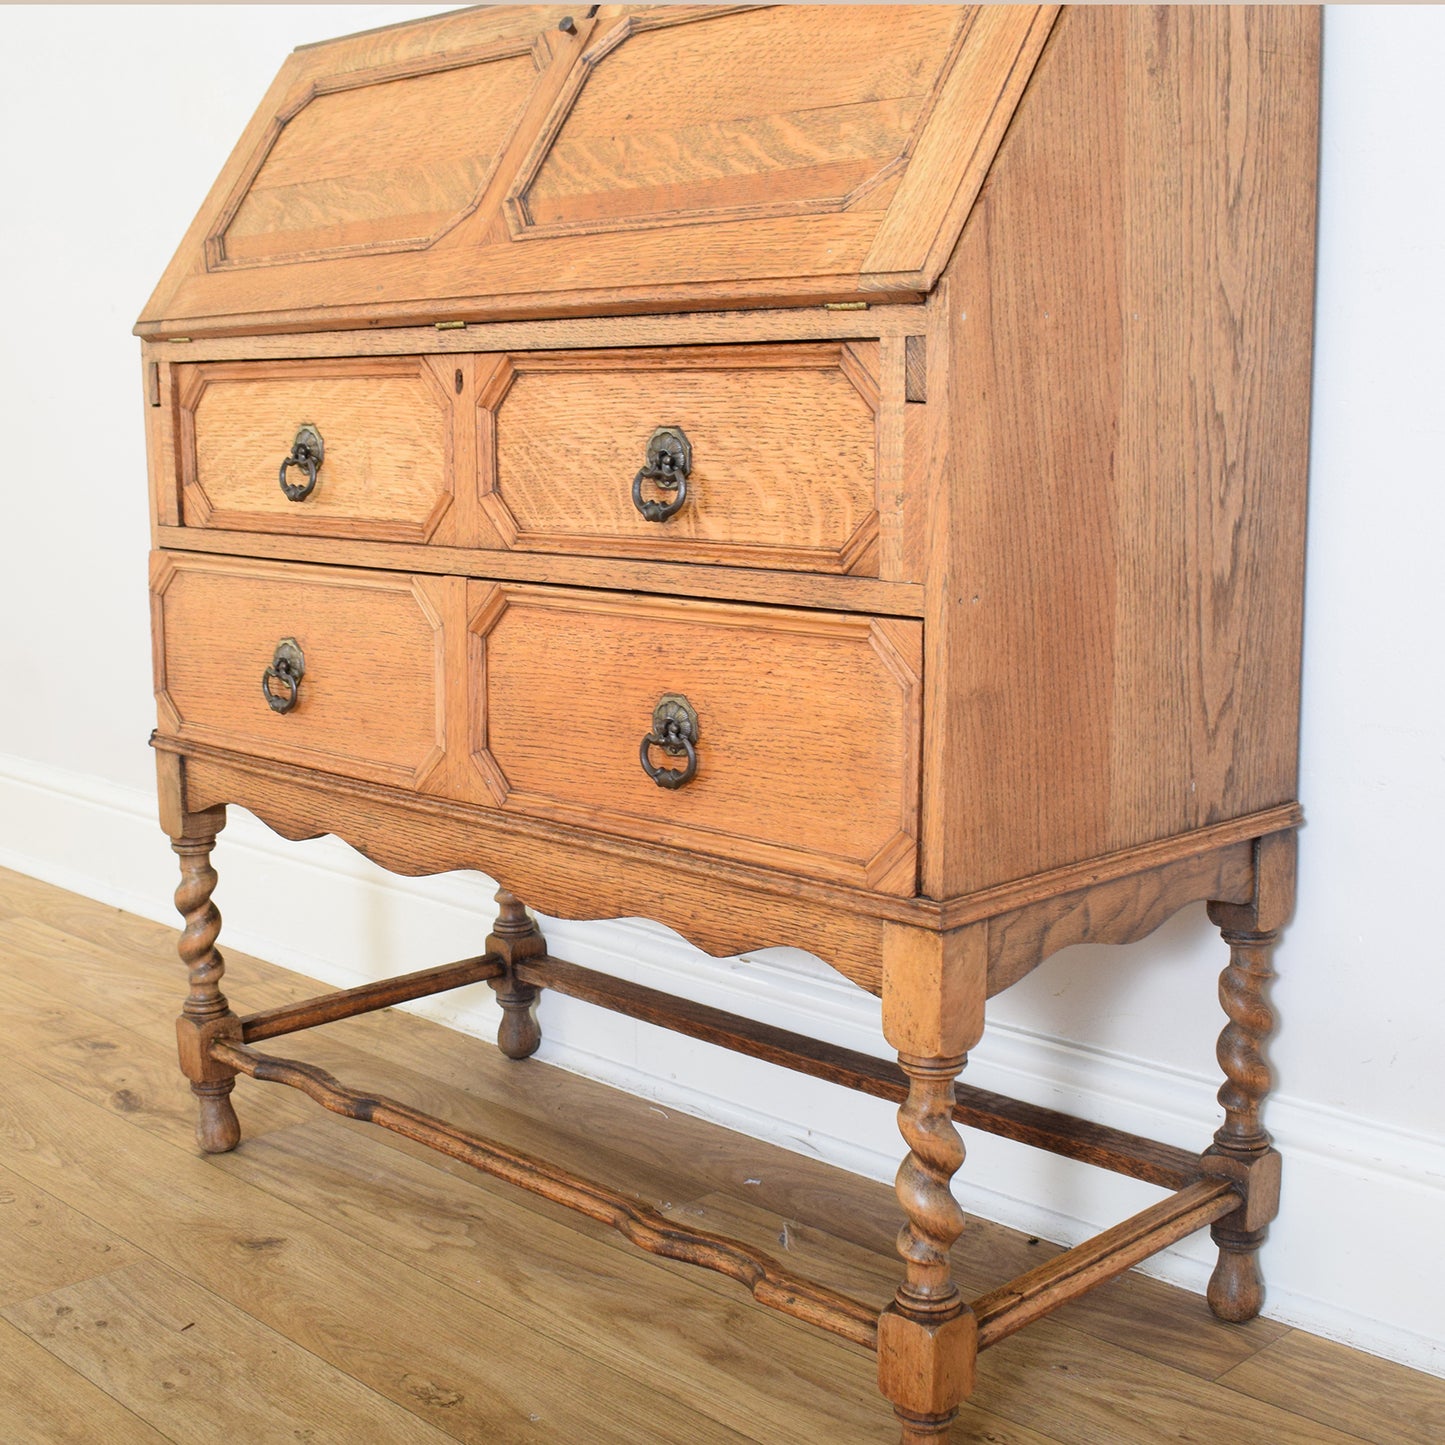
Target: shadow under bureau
(828, 476)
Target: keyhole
(459, 381)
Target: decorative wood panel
(722, 907)
(703, 114)
(387, 425)
(809, 725)
(372, 701)
(784, 442)
(385, 159)
(671, 158)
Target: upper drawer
(333, 668)
(386, 447)
(780, 457)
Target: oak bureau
(829, 476)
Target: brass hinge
(845, 306)
(451, 325)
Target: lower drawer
(806, 751)
(764, 735)
(369, 701)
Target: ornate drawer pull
(288, 667)
(674, 730)
(307, 451)
(669, 460)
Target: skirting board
(323, 910)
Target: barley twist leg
(205, 1015)
(928, 1335)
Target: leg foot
(515, 937)
(519, 1035)
(218, 1131)
(1236, 1291)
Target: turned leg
(927, 1337)
(1242, 1149)
(205, 1015)
(515, 937)
(934, 986)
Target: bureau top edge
(672, 158)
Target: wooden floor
(329, 1282)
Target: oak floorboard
(1112, 1396)
(44, 1402)
(128, 1071)
(404, 1336)
(188, 1363)
(45, 1244)
(749, 1370)
(132, 1071)
(1377, 1400)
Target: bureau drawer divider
(770, 1283)
(347, 1003)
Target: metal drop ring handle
(288, 666)
(674, 730)
(307, 452)
(668, 462)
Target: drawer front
(783, 443)
(386, 447)
(807, 754)
(369, 702)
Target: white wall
(114, 123)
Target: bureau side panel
(1123, 339)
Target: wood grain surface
(808, 726)
(342, 174)
(762, 114)
(389, 469)
(812, 155)
(372, 702)
(1114, 606)
(783, 444)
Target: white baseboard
(322, 909)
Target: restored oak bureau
(829, 476)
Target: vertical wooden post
(933, 993)
(514, 938)
(1242, 1148)
(205, 1015)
